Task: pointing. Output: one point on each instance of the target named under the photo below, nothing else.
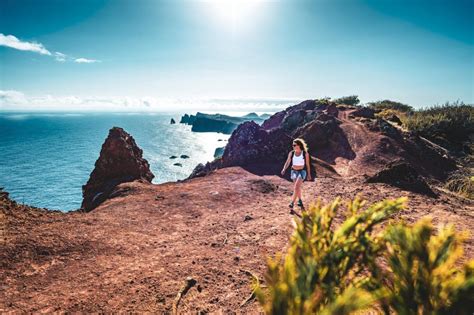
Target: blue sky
(165, 53)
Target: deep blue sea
(45, 158)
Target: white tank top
(298, 160)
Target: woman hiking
(299, 158)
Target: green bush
(450, 125)
(390, 105)
(462, 182)
(422, 277)
(390, 114)
(348, 100)
(339, 270)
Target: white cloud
(16, 100)
(84, 60)
(60, 56)
(13, 42)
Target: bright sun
(235, 13)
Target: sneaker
(291, 205)
(300, 203)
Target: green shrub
(388, 114)
(449, 125)
(462, 183)
(390, 105)
(339, 270)
(422, 277)
(348, 100)
(326, 268)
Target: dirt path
(134, 252)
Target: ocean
(45, 158)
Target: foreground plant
(423, 277)
(330, 270)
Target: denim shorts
(300, 173)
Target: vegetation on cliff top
(407, 269)
(450, 125)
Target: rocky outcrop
(252, 116)
(120, 161)
(205, 124)
(365, 112)
(263, 149)
(217, 122)
(342, 140)
(187, 119)
(172, 121)
(250, 144)
(402, 175)
(219, 152)
(202, 170)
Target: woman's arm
(308, 165)
(287, 163)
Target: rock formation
(217, 122)
(120, 161)
(402, 175)
(172, 121)
(218, 152)
(365, 112)
(343, 141)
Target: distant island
(218, 122)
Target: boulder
(120, 160)
(364, 112)
(394, 118)
(402, 175)
(172, 121)
(205, 169)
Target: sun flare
(235, 12)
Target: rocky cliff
(343, 141)
(217, 122)
(120, 161)
(142, 242)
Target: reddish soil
(134, 252)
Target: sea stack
(120, 161)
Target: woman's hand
(309, 176)
(283, 172)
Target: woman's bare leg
(300, 188)
(295, 191)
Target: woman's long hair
(301, 143)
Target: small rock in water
(184, 156)
(178, 164)
(173, 157)
(172, 121)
